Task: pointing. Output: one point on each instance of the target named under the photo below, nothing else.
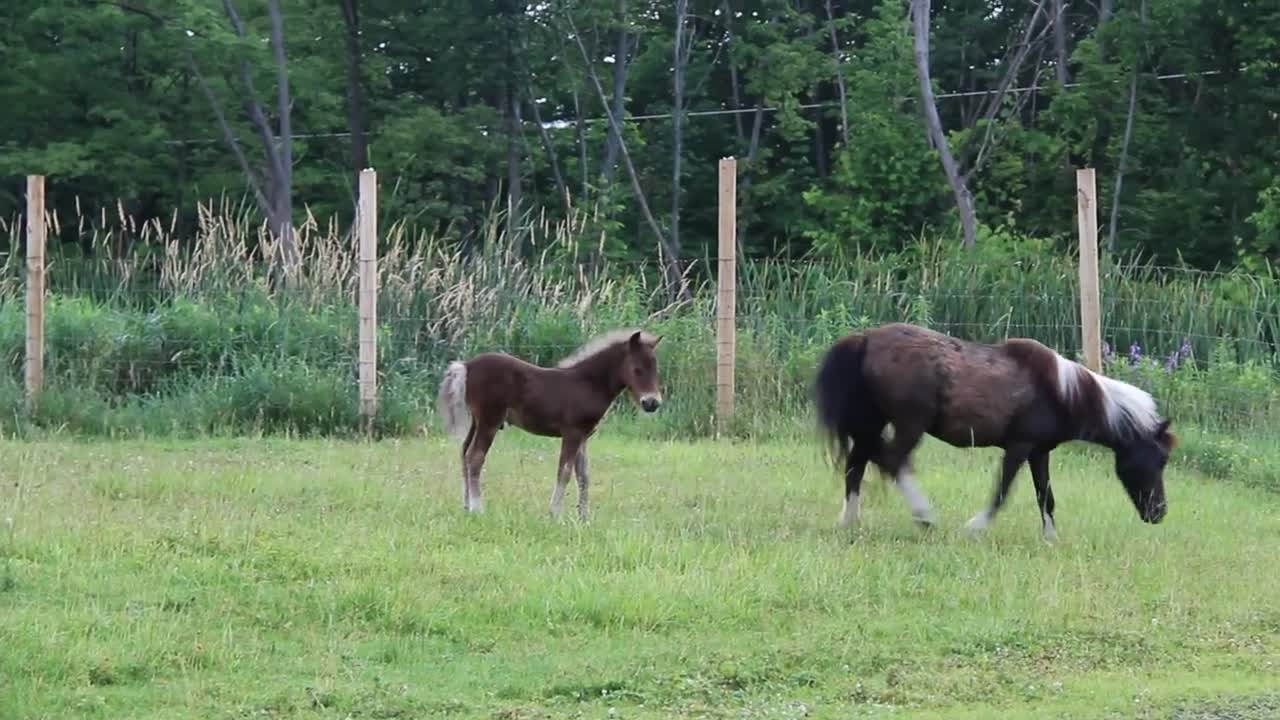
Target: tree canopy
(151, 106)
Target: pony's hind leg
(855, 466)
(896, 461)
(569, 446)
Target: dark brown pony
(1017, 395)
(479, 397)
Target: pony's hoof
(1049, 531)
(978, 522)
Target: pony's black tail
(840, 394)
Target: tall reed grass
(151, 331)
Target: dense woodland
(858, 124)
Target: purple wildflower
(1135, 354)
(1184, 352)
(1106, 352)
(1172, 363)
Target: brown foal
(479, 397)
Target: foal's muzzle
(649, 403)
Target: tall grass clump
(152, 332)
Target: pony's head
(640, 370)
(1140, 466)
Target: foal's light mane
(599, 344)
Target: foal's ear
(1163, 434)
(635, 340)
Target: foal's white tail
(452, 401)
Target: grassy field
(276, 578)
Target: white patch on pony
(601, 343)
(849, 513)
(979, 522)
(916, 500)
(1127, 408)
(1068, 377)
(1049, 532)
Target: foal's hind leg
(473, 461)
(466, 472)
(896, 461)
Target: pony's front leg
(569, 446)
(1039, 463)
(1009, 466)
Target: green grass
(315, 579)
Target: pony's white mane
(1127, 408)
(601, 343)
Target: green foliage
(205, 348)
(107, 100)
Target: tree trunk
(1060, 42)
(515, 189)
(929, 105)
(835, 56)
(1106, 9)
(619, 108)
(682, 46)
(668, 254)
(356, 119)
(1124, 144)
(735, 87)
(289, 255)
(579, 125)
(550, 149)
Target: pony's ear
(1168, 438)
(656, 340)
(635, 340)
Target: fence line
(400, 331)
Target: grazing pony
(1017, 395)
(479, 397)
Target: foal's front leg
(569, 447)
(580, 469)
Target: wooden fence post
(726, 301)
(367, 217)
(35, 289)
(1090, 303)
